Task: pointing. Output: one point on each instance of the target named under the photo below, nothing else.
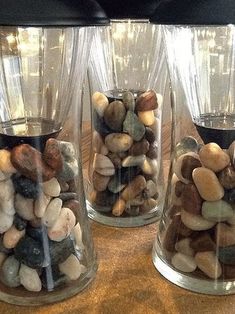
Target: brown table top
(126, 281)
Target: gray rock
(226, 255)
(187, 144)
(133, 126)
(129, 100)
(10, 272)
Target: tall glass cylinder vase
(46, 249)
(127, 78)
(195, 244)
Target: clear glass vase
(127, 86)
(195, 244)
(46, 249)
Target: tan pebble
(5, 161)
(71, 267)
(51, 187)
(103, 165)
(137, 201)
(213, 157)
(151, 188)
(209, 264)
(6, 222)
(29, 278)
(134, 188)
(207, 184)
(24, 207)
(63, 225)
(4, 176)
(100, 103)
(118, 142)
(148, 205)
(149, 166)
(225, 235)
(118, 207)
(183, 246)
(131, 161)
(52, 212)
(7, 206)
(100, 182)
(98, 144)
(195, 222)
(184, 263)
(6, 190)
(40, 204)
(147, 117)
(12, 236)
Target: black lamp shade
(131, 9)
(195, 12)
(51, 13)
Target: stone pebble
(208, 184)
(24, 207)
(135, 187)
(147, 101)
(118, 142)
(77, 234)
(62, 226)
(52, 212)
(148, 205)
(100, 182)
(191, 199)
(114, 115)
(184, 246)
(139, 148)
(7, 206)
(129, 100)
(224, 234)
(71, 267)
(10, 272)
(213, 157)
(185, 165)
(115, 185)
(52, 154)
(30, 279)
(41, 204)
(25, 186)
(98, 144)
(209, 264)
(6, 221)
(5, 162)
(103, 165)
(203, 242)
(12, 236)
(184, 263)
(187, 144)
(51, 187)
(133, 126)
(147, 117)
(6, 190)
(149, 166)
(100, 103)
(132, 161)
(231, 152)
(227, 177)
(196, 222)
(217, 211)
(69, 170)
(119, 207)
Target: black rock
(52, 277)
(100, 126)
(19, 222)
(35, 233)
(127, 174)
(29, 252)
(25, 186)
(60, 251)
(229, 196)
(226, 255)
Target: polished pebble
(147, 117)
(213, 157)
(225, 235)
(24, 207)
(183, 246)
(129, 100)
(217, 211)
(150, 166)
(203, 242)
(195, 222)
(135, 187)
(118, 207)
(147, 101)
(191, 199)
(40, 205)
(185, 165)
(6, 222)
(133, 126)
(71, 267)
(98, 144)
(103, 165)
(209, 264)
(118, 142)
(5, 162)
(184, 262)
(139, 148)
(52, 212)
(114, 115)
(51, 187)
(99, 181)
(12, 236)
(10, 272)
(207, 184)
(100, 103)
(227, 177)
(30, 279)
(131, 161)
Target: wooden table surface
(126, 281)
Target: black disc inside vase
(217, 128)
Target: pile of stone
(125, 154)
(40, 236)
(200, 223)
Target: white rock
(151, 188)
(100, 103)
(183, 246)
(24, 207)
(71, 267)
(149, 166)
(52, 212)
(196, 222)
(67, 150)
(131, 161)
(7, 206)
(77, 234)
(184, 263)
(63, 225)
(51, 187)
(29, 278)
(6, 221)
(6, 189)
(40, 205)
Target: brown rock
(147, 101)
(114, 115)
(191, 199)
(152, 152)
(52, 155)
(149, 135)
(139, 148)
(209, 264)
(104, 198)
(189, 163)
(116, 160)
(119, 207)
(228, 271)
(28, 161)
(225, 235)
(203, 242)
(99, 181)
(135, 187)
(227, 177)
(179, 187)
(74, 206)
